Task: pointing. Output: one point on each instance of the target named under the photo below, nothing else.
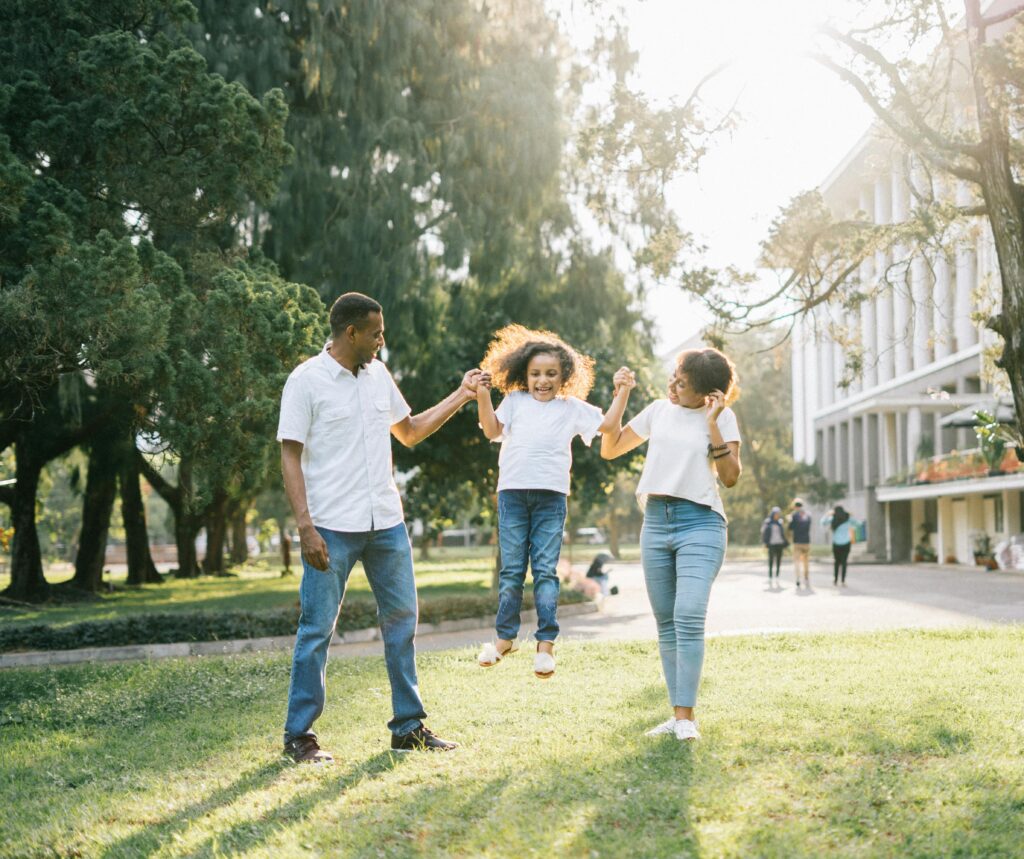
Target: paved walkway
(877, 596)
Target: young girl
(545, 382)
(844, 532)
(694, 444)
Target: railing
(957, 465)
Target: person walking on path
(799, 527)
(545, 382)
(773, 536)
(844, 532)
(694, 444)
(338, 413)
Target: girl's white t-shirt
(536, 440)
(677, 457)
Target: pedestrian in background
(799, 526)
(773, 535)
(844, 533)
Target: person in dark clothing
(773, 536)
(844, 532)
(598, 571)
(800, 527)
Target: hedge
(165, 628)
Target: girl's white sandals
(543, 665)
(686, 730)
(490, 655)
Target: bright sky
(797, 120)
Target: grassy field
(895, 744)
(256, 586)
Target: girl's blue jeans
(682, 545)
(387, 561)
(530, 523)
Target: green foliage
(164, 628)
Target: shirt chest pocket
(338, 420)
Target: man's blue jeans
(530, 523)
(387, 560)
(682, 545)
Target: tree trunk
(425, 545)
(216, 530)
(239, 544)
(1003, 202)
(613, 532)
(141, 569)
(27, 581)
(97, 505)
(185, 530)
(286, 548)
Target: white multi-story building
(882, 432)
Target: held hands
(472, 381)
(624, 379)
(714, 403)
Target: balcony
(957, 465)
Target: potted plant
(983, 556)
(991, 441)
(924, 552)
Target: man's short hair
(352, 308)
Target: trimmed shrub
(169, 627)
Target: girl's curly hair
(708, 370)
(512, 348)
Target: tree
(128, 166)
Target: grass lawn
(256, 586)
(887, 744)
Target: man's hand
(314, 549)
(470, 382)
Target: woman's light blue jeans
(530, 523)
(387, 561)
(682, 546)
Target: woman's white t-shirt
(677, 457)
(536, 440)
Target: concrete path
(876, 597)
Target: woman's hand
(714, 402)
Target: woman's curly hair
(512, 348)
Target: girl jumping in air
(545, 382)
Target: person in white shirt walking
(694, 444)
(338, 413)
(545, 382)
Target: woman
(694, 443)
(844, 532)
(774, 537)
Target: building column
(966, 280)
(920, 286)
(941, 310)
(868, 330)
(884, 302)
(902, 318)
(913, 435)
(799, 391)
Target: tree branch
(904, 133)
(902, 95)
(170, 493)
(992, 20)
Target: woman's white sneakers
(686, 730)
(682, 729)
(543, 665)
(667, 727)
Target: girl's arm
(728, 465)
(492, 427)
(615, 440)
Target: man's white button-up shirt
(344, 423)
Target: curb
(130, 652)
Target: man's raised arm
(414, 428)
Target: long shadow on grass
(251, 833)
(154, 836)
(617, 793)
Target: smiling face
(681, 393)
(368, 338)
(544, 376)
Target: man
(338, 412)
(800, 528)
